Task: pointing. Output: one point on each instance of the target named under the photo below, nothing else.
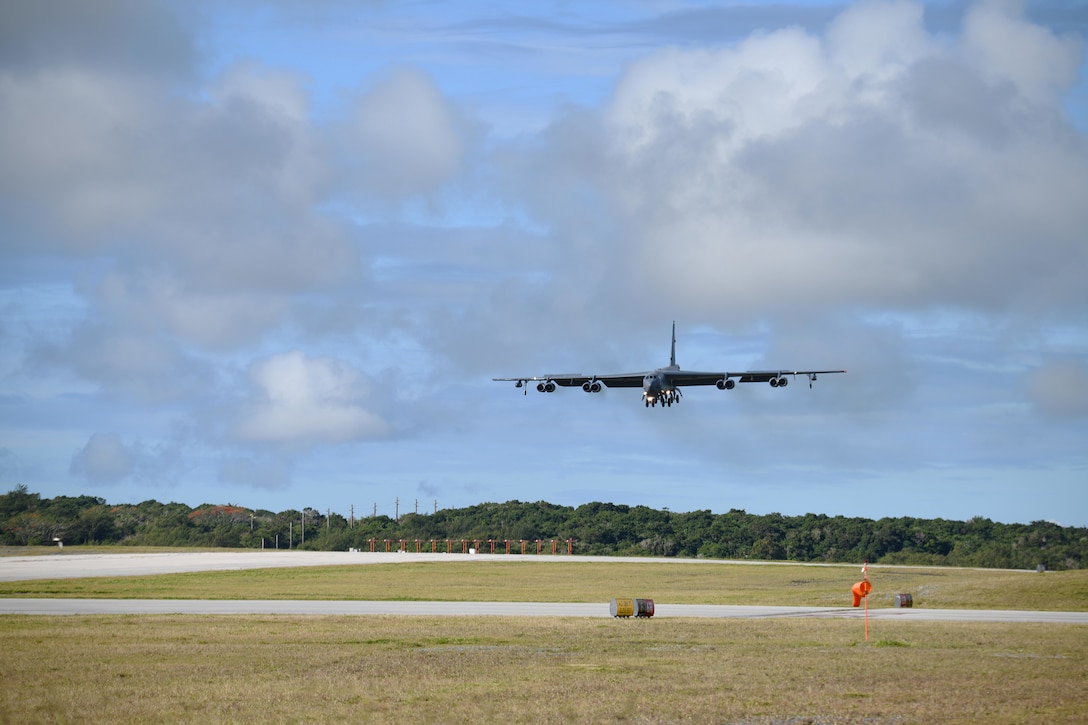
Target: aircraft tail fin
(672, 356)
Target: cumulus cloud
(103, 34)
(794, 168)
(212, 202)
(1040, 63)
(104, 459)
(304, 400)
(402, 137)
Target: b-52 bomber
(663, 384)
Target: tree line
(595, 528)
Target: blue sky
(272, 254)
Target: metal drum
(632, 608)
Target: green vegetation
(125, 669)
(554, 579)
(595, 528)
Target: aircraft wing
(661, 384)
(689, 377)
(575, 380)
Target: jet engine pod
(726, 384)
(591, 386)
(546, 387)
(779, 382)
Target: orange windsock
(859, 590)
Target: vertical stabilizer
(672, 356)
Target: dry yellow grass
(545, 581)
(129, 669)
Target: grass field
(533, 581)
(136, 669)
(129, 669)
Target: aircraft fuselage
(656, 387)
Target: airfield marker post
(861, 593)
(865, 595)
(865, 572)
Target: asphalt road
(95, 565)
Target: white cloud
(794, 169)
(1038, 62)
(303, 400)
(402, 138)
(878, 40)
(104, 459)
(201, 209)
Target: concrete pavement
(73, 565)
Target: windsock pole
(861, 591)
(865, 574)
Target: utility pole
(417, 507)
(398, 510)
(436, 505)
(351, 523)
(328, 519)
(303, 527)
(375, 514)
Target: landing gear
(665, 397)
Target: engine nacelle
(780, 382)
(726, 384)
(546, 387)
(592, 386)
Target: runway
(21, 568)
(69, 564)
(505, 609)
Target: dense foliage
(595, 528)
